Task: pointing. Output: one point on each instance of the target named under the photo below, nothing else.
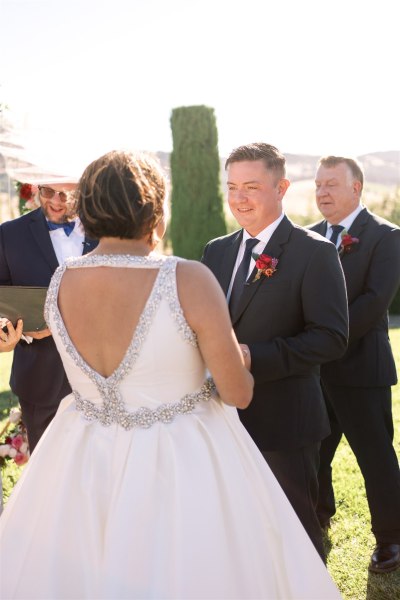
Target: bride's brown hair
(121, 194)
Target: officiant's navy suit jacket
(27, 257)
(292, 322)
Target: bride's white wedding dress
(146, 485)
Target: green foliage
(10, 472)
(197, 211)
(349, 541)
(395, 306)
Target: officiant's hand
(246, 355)
(38, 335)
(10, 338)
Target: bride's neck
(109, 245)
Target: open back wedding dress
(146, 485)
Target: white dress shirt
(264, 236)
(346, 223)
(68, 245)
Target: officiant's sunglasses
(49, 193)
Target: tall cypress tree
(197, 212)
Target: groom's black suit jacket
(372, 272)
(27, 258)
(292, 322)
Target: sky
(81, 77)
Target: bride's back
(101, 308)
(121, 202)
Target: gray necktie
(241, 275)
(336, 229)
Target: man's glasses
(49, 193)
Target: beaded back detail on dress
(112, 408)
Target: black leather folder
(23, 302)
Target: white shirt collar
(348, 221)
(265, 235)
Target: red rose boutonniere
(265, 265)
(347, 243)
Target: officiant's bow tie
(68, 227)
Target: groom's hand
(246, 355)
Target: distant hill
(379, 167)
(382, 176)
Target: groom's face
(254, 194)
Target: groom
(289, 312)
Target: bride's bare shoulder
(190, 272)
(197, 285)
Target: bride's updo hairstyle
(121, 194)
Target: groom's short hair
(273, 159)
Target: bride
(146, 485)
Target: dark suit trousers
(364, 415)
(296, 472)
(36, 418)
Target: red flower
(15, 445)
(17, 441)
(265, 265)
(347, 242)
(21, 459)
(25, 191)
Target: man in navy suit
(31, 248)
(290, 315)
(357, 386)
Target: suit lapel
(40, 234)
(89, 245)
(355, 230)
(359, 223)
(228, 261)
(274, 248)
(320, 228)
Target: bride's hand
(38, 335)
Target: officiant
(31, 248)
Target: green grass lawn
(349, 541)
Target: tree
(197, 211)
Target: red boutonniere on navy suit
(347, 243)
(265, 265)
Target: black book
(23, 302)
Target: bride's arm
(206, 311)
